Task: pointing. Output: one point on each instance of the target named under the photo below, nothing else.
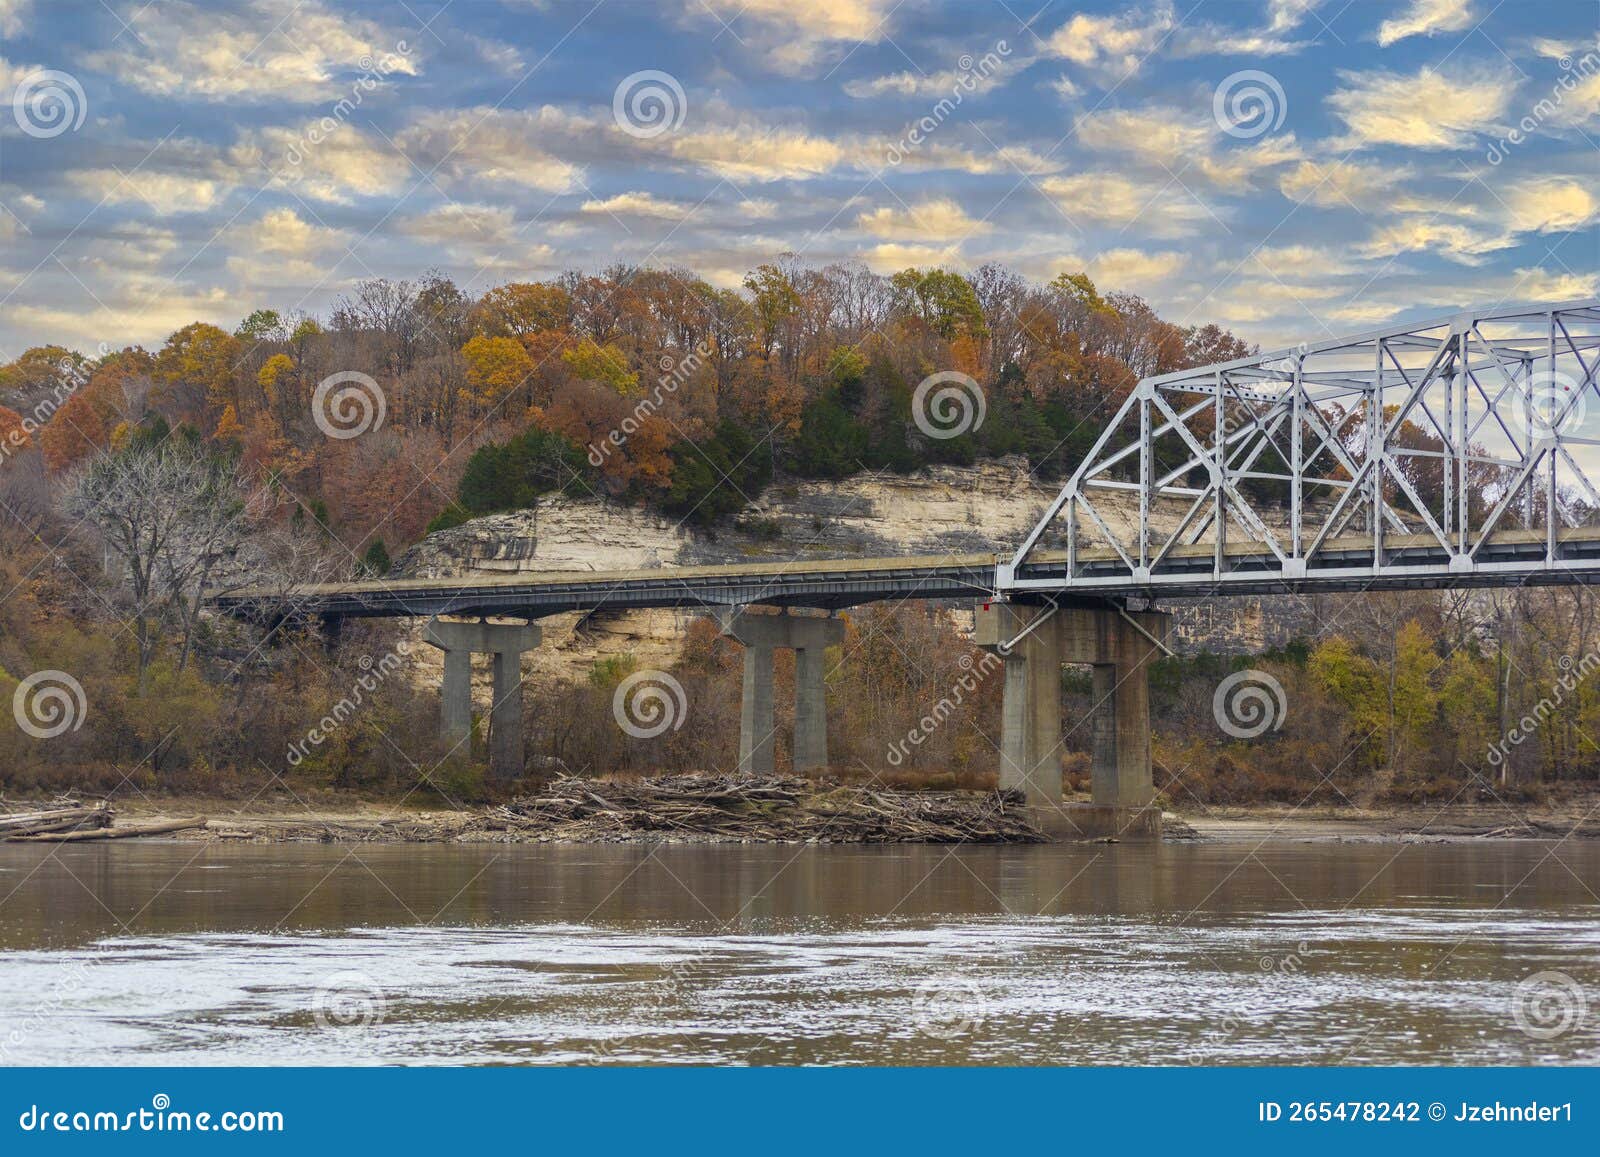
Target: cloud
(1342, 183)
(164, 193)
(338, 167)
(284, 231)
(281, 249)
(1427, 17)
(1178, 144)
(484, 236)
(11, 15)
(1452, 240)
(1111, 44)
(796, 37)
(1112, 198)
(500, 56)
(934, 220)
(978, 76)
(1135, 268)
(1551, 205)
(891, 257)
(639, 205)
(500, 146)
(1428, 110)
(266, 50)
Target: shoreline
(279, 821)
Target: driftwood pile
(70, 822)
(776, 808)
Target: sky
(1292, 169)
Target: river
(1485, 952)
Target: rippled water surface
(1179, 954)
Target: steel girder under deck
(1459, 452)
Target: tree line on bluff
(298, 447)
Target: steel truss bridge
(1455, 453)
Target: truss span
(1459, 452)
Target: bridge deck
(1508, 558)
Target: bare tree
(170, 511)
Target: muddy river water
(1483, 952)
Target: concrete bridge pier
(762, 634)
(506, 642)
(1034, 642)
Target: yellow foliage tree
(605, 364)
(495, 367)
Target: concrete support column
(808, 636)
(1035, 641)
(455, 708)
(757, 724)
(1030, 721)
(505, 717)
(811, 639)
(1117, 647)
(506, 642)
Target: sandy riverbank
(276, 819)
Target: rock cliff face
(989, 507)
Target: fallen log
(113, 833)
(17, 825)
